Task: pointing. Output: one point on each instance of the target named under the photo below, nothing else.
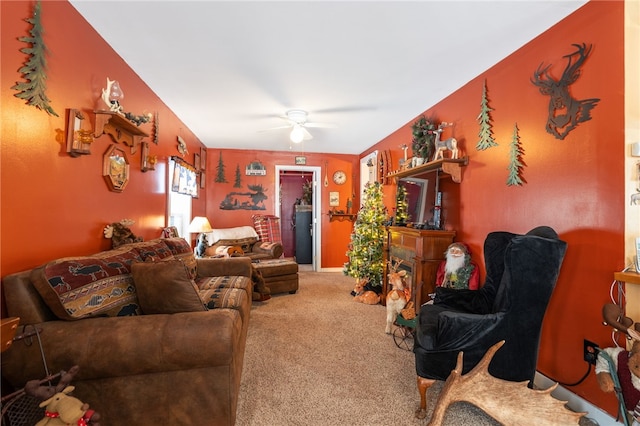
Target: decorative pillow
(81, 287)
(165, 288)
(154, 250)
(181, 250)
(177, 245)
(267, 227)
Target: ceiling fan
(297, 122)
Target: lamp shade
(297, 134)
(200, 224)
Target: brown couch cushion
(166, 287)
(80, 287)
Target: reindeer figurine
(399, 294)
(450, 144)
(367, 297)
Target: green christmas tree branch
(33, 89)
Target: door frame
(316, 227)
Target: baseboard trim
(330, 270)
(575, 402)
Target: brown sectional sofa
(180, 364)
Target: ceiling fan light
(297, 134)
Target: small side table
(8, 328)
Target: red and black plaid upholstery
(267, 227)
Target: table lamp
(200, 225)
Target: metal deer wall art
(565, 111)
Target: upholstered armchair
(521, 273)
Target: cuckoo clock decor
(565, 111)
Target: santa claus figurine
(458, 270)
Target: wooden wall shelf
(119, 128)
(341, 216)
(627, 277)
(448, 166)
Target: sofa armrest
(211, 267)
(273, 250)
(122, 346)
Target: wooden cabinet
(421, 252)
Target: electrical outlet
(590, 352)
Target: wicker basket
(408, 312)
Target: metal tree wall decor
(33, 89)
(515, 160)
(220, 177)
(484, 119)
(565, 111)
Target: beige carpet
(318, 358)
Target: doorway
(289, 189)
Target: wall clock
(339, 177)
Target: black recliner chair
(521, 273)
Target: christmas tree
(402, 216)
(365, 250)
(515, 159)
(484, 119)
(33, 90)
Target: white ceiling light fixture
(297, 134)
(298, 124)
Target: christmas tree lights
(365, 250)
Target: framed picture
(196, 162)
(203, 179)
(203, 159)
(301, 161)
(115, 168)
(334, 199)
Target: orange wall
(574, 185)
(53, 205)
(335, 235)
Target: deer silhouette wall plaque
(565, 111)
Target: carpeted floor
(318, 358)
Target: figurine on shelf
(112, 96)
(450, 144)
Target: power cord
(582, 379)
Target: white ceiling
(229, 69)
